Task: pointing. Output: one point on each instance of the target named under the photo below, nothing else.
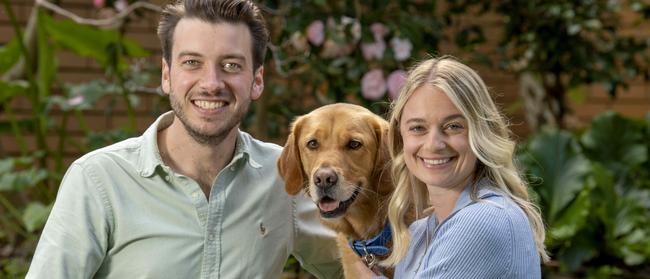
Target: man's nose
(211, 80)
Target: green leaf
(555, 157)
(577, 94)
(9, 89)
(616, 142)
(133, 49)
(90, 41)
(46, 62)
(83, 40)
(35, 215)
(19, 180)
(9, 54)
(573, 218)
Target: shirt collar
(484, 189)
(150, 158)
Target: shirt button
(262, 229)
(232, 168)
(195, 195)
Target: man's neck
(186, 156)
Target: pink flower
(378, 30)
(316, 32)
(402, 48)
(99, 3)
(373, 50)
(373, 85)
(395, 82)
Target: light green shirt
(122, 213)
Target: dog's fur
(339, 154)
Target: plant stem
(13, 212)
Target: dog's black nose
(325, 177)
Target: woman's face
(436, 143)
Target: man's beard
(216, 137)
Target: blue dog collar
(375, 246)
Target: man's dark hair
(215, 11)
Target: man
(193, 197)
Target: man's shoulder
(127, 149)
(259, 147)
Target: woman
(453, 165)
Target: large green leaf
(555, 157)
(572, 219)
(9, 55)
(35, 215)
(616, 142)
(89, 41)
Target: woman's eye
(416, 129)
(312, 144)
(454, 127)
(354, 144)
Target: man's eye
(191, 62)
(232, 67)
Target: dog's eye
(312, 144)
(353, 144)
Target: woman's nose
(436, 141)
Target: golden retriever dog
(339, 155)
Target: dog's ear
(289, 163)
(381, 172)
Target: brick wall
(635, 102)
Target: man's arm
(75, 238)
(314, 244)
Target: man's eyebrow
(189, 53)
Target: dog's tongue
(328, 205)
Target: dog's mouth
(331, 208)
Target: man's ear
(258, 83)
(164, 80)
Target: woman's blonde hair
(489, 139)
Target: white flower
(373, 85)
(374, 50)
(402, 48)
(76, 100)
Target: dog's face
(336, 152)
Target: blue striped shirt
(491, 238)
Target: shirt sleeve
(476, 243)
(314, 244)
(74, 240)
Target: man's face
(210, 79)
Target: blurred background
(573, 77)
